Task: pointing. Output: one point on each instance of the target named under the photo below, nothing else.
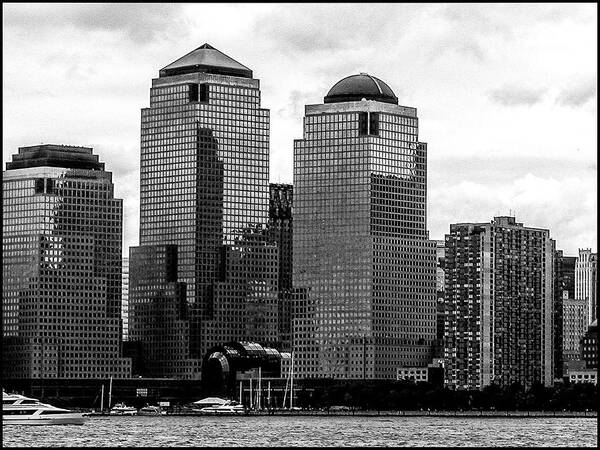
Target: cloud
(331, 27)
(140, 22)
(478, 19)
(517, 95)
(297, 99)
(465, 30)
(542, 202)
(578, 93)
(88, 69)
(446, 170)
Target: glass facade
(205, 188)
(61, 249)
(364, 269)
(499, 305)
(281, 232)
(158, 314)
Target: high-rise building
(440, 286)
(364, 268)
(499, 302)
(61, 261)
(564, 305)
(280, 231)
(125, 298)
(204, 187)
(574, 325)
(586, 273)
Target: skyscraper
(566, 311)
(61, 256)
(586, 279)
(440, 286)
(363, 265)
(205, 189)
(499, 302)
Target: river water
(278, 431)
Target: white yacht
(20, 410)
(150, 410)
(120, 409)
(215, 405)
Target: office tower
(499, 299)
(204, 187)
(564, 304)
(125, 298)
(363, 265)
(61, 257)
(280, 231)
(586, 281)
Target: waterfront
(280, 431)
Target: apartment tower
(499, 305)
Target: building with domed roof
(364, 268)
(227, 365)
(358, 87)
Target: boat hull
(124, 413)
(149, 413)
(57, 419)
(217, 411)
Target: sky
(506, 94)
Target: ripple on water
(277, 431)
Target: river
(278, 431)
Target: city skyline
(518, 73)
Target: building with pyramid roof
(204, 272)
(206, 59)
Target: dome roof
(356, 87)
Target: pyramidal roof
(206, 59)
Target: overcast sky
(506, 94)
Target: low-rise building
(584, 376)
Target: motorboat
(219, 406)
(20, 410)
(150, 410)
(120, 409)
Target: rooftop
(53, 155)
(362, 86)
(206, 59)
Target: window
(362, 123)
(374, 124)
(193, 93)
(203, 93)
(39, 185)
